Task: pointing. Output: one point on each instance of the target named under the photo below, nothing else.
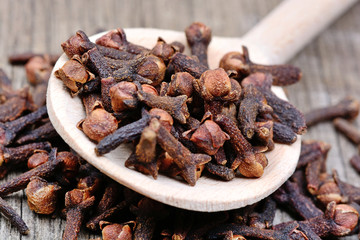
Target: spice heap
(58, 183)
(181, 116)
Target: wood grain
(330, 63)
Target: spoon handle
(290, 26)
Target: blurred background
(330, 63)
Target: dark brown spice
(221, 171)
(93, 223)
(43, 133)
(13, 217)
(283, 111)
(9, 130)
(117, 39)
(38, 158)
(355, 162)
(183, 63)
(347, 108)
(264, 215)
(23, 58)
(164, 50)
(42, 196)
(198, 36)
(290, 196)
(181, 84)
(74, 74)
(96, 63)
(283, 134)
(126, 133)
(251, 232)
(38, 69)
(313, 173)
(144, 159)
(13, 108)
(19, 155)
(252, 104)
(283, 75)
(349, 130)
(112, 231)
(77, 203)
(184, 159)
(209, 137)
(175, 106)
(21, 181)
(123, 96)
(312, 150)
(249, 163)
(98, 123)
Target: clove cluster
(183, 118)
(58, 183)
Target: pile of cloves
(181, 116)
(58, 183)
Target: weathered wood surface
(330, 64)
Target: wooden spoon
(274, 40)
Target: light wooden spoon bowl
(272, 41)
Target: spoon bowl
(208, 194)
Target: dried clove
(175, 106)
(164, 117)
(96, 63)
(181, 84)
(347, 108)
(164, 50)
(252, 104)
(39, 157)
(183, 63)
(93, 223)
(209, 137)
(249, 163)
(123, 96)
(132, 70)
(265, 217)
(74, 74)
(23, 58)
(98, 123)
(184, 159)
(349, 131)
(251, 232)
(13, 217)
(283, 75)
(198, 36)
(221, 171)
(14, 107)
(289, 195)
(126, 133)
(9, 130)
(283, 111)
(111, 231)
(42, 133)
(117, 39)
(19, 155)
(312, 150)
(21, 181)
(38, 69)
(355, 162)
(77, 202)
(283, 134)
(41, 195)
(144, 159)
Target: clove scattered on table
(322, 204)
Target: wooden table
(330, 64)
